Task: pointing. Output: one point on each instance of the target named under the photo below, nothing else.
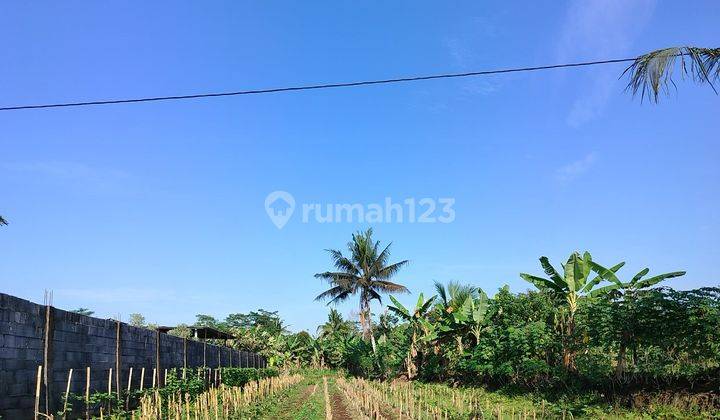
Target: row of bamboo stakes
(328, 406)
(221, 402)
(377, 401)
(212, 376)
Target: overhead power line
(312, 87)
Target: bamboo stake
(127, 400)
(37, 391)
(87, 393)
(67, 392)
(109, 393)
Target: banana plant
(454, 311)
(477, 318)
(574, 280)
(635, 284)
(624, 296)
(421, 329)
(566, 289)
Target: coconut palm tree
(421, 329)
(3, 222)
(365, 271)
(566, 289)
(651, 74)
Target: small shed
(203, 333)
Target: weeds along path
(303, 401)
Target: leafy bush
(241, 376)
(192, 384)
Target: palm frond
(389, 287)
(337, 277)
(372, 294)
(389, 271)
(341, 262)
(381, 258)
(334, 292)
(440, 289)
(3, 221)
(339, 298)
(651, 74)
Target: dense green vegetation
(241, 376)
(584, 334)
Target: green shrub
(192, 384)
(241, 376)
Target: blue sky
(158, 208)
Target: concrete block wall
(78, 341)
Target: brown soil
(340, 411)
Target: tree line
(583, 326)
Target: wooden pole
(67, 393)
(118, 355)
(37, 392)
(142, 378)
(157, 360)
(154, 378)
(47, 357)
(204, 348)
(185, 340)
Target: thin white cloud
(70, 174)
(597, 29)
(574, 169)
(117, 295)
(464, 47)
(62, 169)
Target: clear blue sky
(158, 208)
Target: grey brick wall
(78, 341)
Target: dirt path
(340, 411)
(290, 406)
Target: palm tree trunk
(365, 323)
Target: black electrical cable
(313, 87)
